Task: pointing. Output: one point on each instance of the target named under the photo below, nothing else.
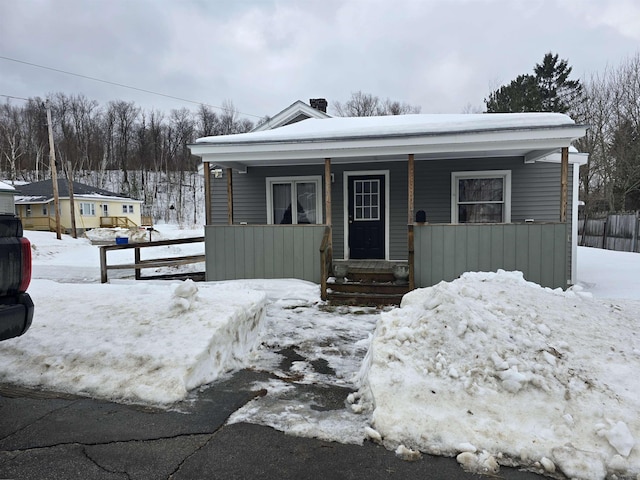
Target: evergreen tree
(557, 92)
(521, 95)
(547, 90)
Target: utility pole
(54, 173)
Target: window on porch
(294, 200)
(481, 197)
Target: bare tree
(611, 108)
(367, 105)
(12, 140)
(124, 115)
(359, 105)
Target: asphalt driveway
(55, 436)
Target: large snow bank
(149, 342)
(496, 370)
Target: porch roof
(533, 136)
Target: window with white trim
(127, 208)
(366, 199)
(294, 200)
(87, 209)
(481, 197)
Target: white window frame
(504, 174)
(127, 208)
(92, 209)
(317, 179)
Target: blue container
(122, 240)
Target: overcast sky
(445, 56)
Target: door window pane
(366, 200)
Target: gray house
(443, 194)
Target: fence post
(636, 232)
(103, 265)
(136, 255)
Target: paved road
(47, 436)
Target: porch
(436, 252)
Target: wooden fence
(613, 231)
(138, 264)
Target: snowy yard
(488, 368)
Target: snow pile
(496, 370)
(143, 342)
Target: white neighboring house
(94, 207)
(7, 202)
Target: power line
(118, 85)
(17, 98)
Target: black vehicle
(16, 306)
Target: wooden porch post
(207, 193)
(327, 191)
(410, 208)
(564, 173)
(230, 196)
(326, 249)
(327, 207)
(410, 188)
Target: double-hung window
(127, 208)
(294, 200)
(481, 197)
(87, 209)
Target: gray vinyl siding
(535, 193)
(535, 188)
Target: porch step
(366, 293)
(366, 282)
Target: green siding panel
(263, 251)
(444, 252)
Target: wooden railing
(112, 222)
(40, 223)
(139, 264)
(326, 261)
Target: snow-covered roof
(42, 192)
(5, 187)
(531, 135)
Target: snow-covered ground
(488, 368)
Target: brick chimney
(319, 104)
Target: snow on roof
(6, 187)
(397, 125)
